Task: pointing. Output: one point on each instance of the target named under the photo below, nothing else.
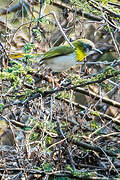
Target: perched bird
(61, 58)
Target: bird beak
(97, 50)
(93, 51)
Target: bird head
(83, 48)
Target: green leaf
(96, 113)
(47, 167)
(28, 47)
(1, 107)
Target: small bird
(62, 58)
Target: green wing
(57, 51)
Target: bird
(62, 58)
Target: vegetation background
(66, 132)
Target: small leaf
(1, 107)
(47, 167)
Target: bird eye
(87, 48)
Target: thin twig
(91, 111)
(64, 35)
(67, 145)
(94, 147)
(77, 11)
(108, 159)
(97, 97)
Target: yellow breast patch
(80, 54)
